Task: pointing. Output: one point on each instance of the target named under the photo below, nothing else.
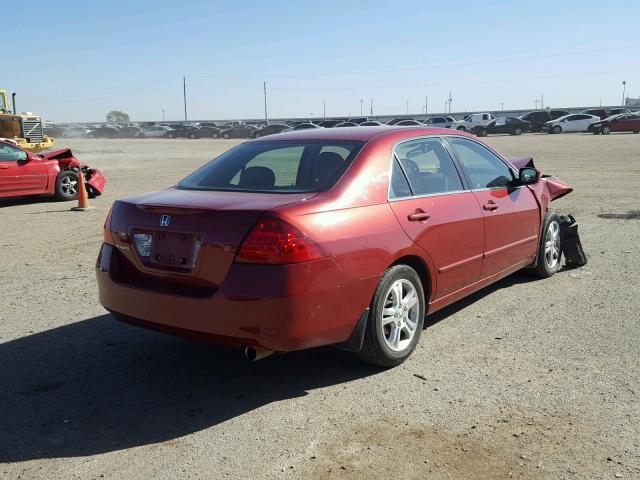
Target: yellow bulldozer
(25, 129)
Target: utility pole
(502, 107)
(426, 105)
(184, 96)
(266, 117)
(624, 91)
(407, 107)
(535, 102)
(163, 115)
(371, 100)
(361, 100)
(542, 100)
(450, 100)
(324, 109)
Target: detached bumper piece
(572, 250)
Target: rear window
(278, 167)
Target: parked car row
(481, 124)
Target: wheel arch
(423, 271)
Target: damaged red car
(53, 173)
(345, 237)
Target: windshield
(276, 167)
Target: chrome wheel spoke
(394, 336)
(410, 299)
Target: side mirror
(528, 176)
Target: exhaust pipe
(253, 354)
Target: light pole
(407, 107)
(361, 100)
(624, 91)
(371, 100)
(184, 96)
(163, 114)
(502, 107)
(266, 117)
(324, 109)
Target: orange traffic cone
(83, 197)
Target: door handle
(418, 216)
(490, 205)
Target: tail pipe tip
(253, 354)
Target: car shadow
(97, 386)
(516, 278)
(28, 200)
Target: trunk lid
(193, 235)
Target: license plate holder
(171, 249)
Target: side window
(484, 168)
(10, 154)
(399, 187)
(428, 167)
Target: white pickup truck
(473, 120)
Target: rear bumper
(277, 307)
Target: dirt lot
(527, 379)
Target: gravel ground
(528, 379)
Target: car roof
(361, 134)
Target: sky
(76, 60)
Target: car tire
(556, 129)
(606, 129)
(482, 132)
(389, 338)
(226, 136)
(461, 129)
(66, 186)
(549, 247)
(517, 131)
(193, 136)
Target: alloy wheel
(400, 315)
(552, 245)
(69, 186)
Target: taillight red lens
(274, 241)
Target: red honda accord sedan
(343, 236)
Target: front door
(20, 175)
(511, 213)
(431, 204)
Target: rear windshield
(278, 167)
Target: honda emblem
(165, 220)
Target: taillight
(274, 241)
(106, 232)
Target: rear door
(20, 175)
(431, 203)
(511, 214)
